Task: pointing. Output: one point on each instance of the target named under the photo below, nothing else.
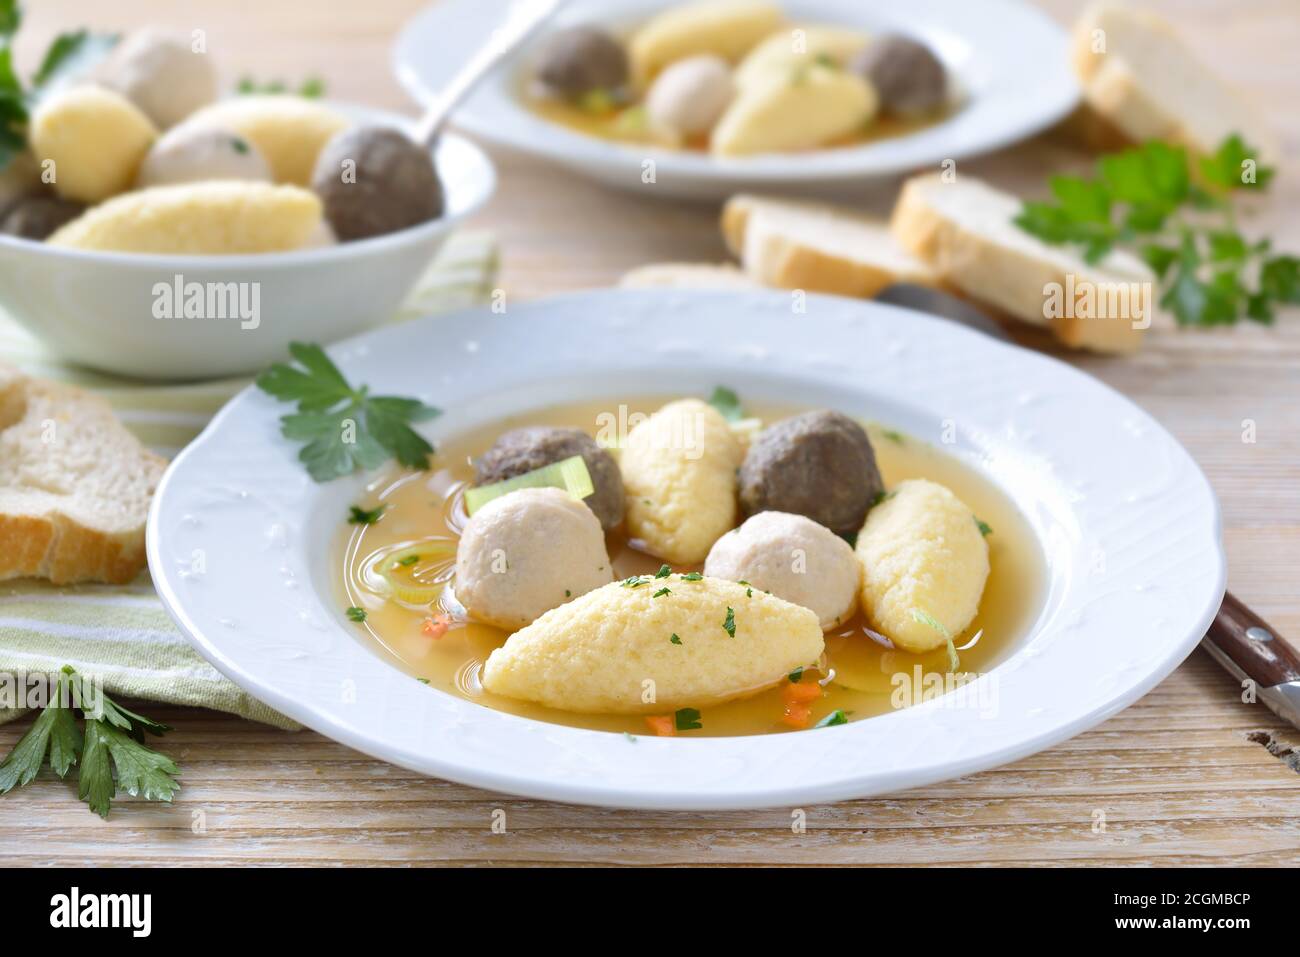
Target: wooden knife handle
(1252, 644)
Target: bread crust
(1005, 278)
(39, 536)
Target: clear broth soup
(870, 677)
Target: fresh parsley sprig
(68, 54)
(111, 750)
(1182, 222)
(343, 428)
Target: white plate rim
(1014, 37)
(723, 773)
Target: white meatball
(794, 558)
(163, 75)
(527, 552)
(689, 96)
(191, 154)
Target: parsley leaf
(835, 717)
(343, 428)
(70, 55)
(313, 87)
(141, 771)
(729, 626)
(363, 516)
(1147, 199)
(728, 403)
(687, 719)
(111, 753)
(22, 763)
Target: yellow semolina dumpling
(799, 46)
(679, 473)
(612, 651)
(924, 563)
(219, 217)
(289, 131)
(724, 28)
(95, 139)
(799, 109)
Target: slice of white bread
(965, 230)
(818, 248)
(1141, 78)
(75, 485)
(687, 276)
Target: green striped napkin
(122, 632)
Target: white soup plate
(1008, 61)
(1127, 525)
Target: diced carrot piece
(437, 626)
(802, 691)
(661, 724)
(797, 715)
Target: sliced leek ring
(387, 576)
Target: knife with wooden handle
(1238, 638)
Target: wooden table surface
(1188, 775)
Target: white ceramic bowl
(1009, 62)
(97, 308)
(1126, 521)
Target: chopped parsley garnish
(795, 675)
(1147, 199)
(727, 403)
(362, 516)
(692, 577)
(634, 581)
(312, 88)
(835, 717)
(406, 561)
(729, 626)
(985, 528)
(343, 428)
(423, 681)
(661, 592)
(111, 749)
(687, 719)
(664, 572)
(356, 614)
(567, 593)
(894, 436)
(674, 639)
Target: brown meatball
(909, 78)
(522, 450)
(582, 59)
(819, 464)
(374, 180)
(35, 217)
